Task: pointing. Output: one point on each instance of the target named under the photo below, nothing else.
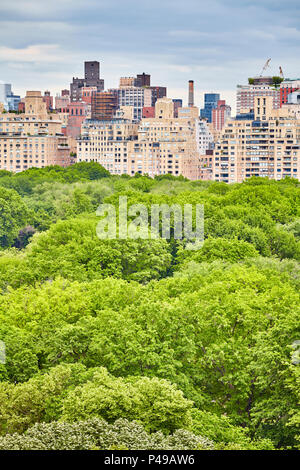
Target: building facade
(157, 92)
(32, 139)
(138, 93)
(48, 99)
(143, 79)
(87, 93)
(220, 115)
(104, 105)
(158, 145)
(266, 146)
(62, 103)
(210, 103)
(5, 90)
(91, 79)
(286, 87)
(205, 167)
(246, 94)
(149, 112)
(137, 97)
(204, 137)
(126, 82)
(78, 112)
(294, 97)
(13, 101)
(177, 104)
(107, 142)
(9, 100)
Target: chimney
(191, 93)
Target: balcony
(63, 147)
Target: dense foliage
(143, 343)
(96, 434)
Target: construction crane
(281, 73)
(265, 67)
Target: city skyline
(218, 45)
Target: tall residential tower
(91, 79)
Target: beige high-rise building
(127, 82)
(32, 139)
(125, 112)
(35, 106)
(293, 110)
(267, 146)
(107, 142)
(167, 145)
(156, 146)
(246, 95)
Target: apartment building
(204, 137)
(205, 166)
(143, 79)
(107, 142)
(32, 139)
(9, 100)
(136, 97)
(293, 104)
(267, 145)
(166, 145)
(103, 105)
(160, 145)
(126, 82)
(287, 87)
(48, 99)
(220, 115)
(210, 103)
(91, 79)
(246, 94)
(78, 112)
(87, 93)
(62, 103)
(157, 92)
(177, 104)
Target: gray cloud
(217, 43)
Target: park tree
(13, 216)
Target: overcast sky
(217, 43)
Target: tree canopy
(177, 348)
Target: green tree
(13, 215)
(153, 402)
(277, 80)
(72, 249)
(221, 248)
(98, 434)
